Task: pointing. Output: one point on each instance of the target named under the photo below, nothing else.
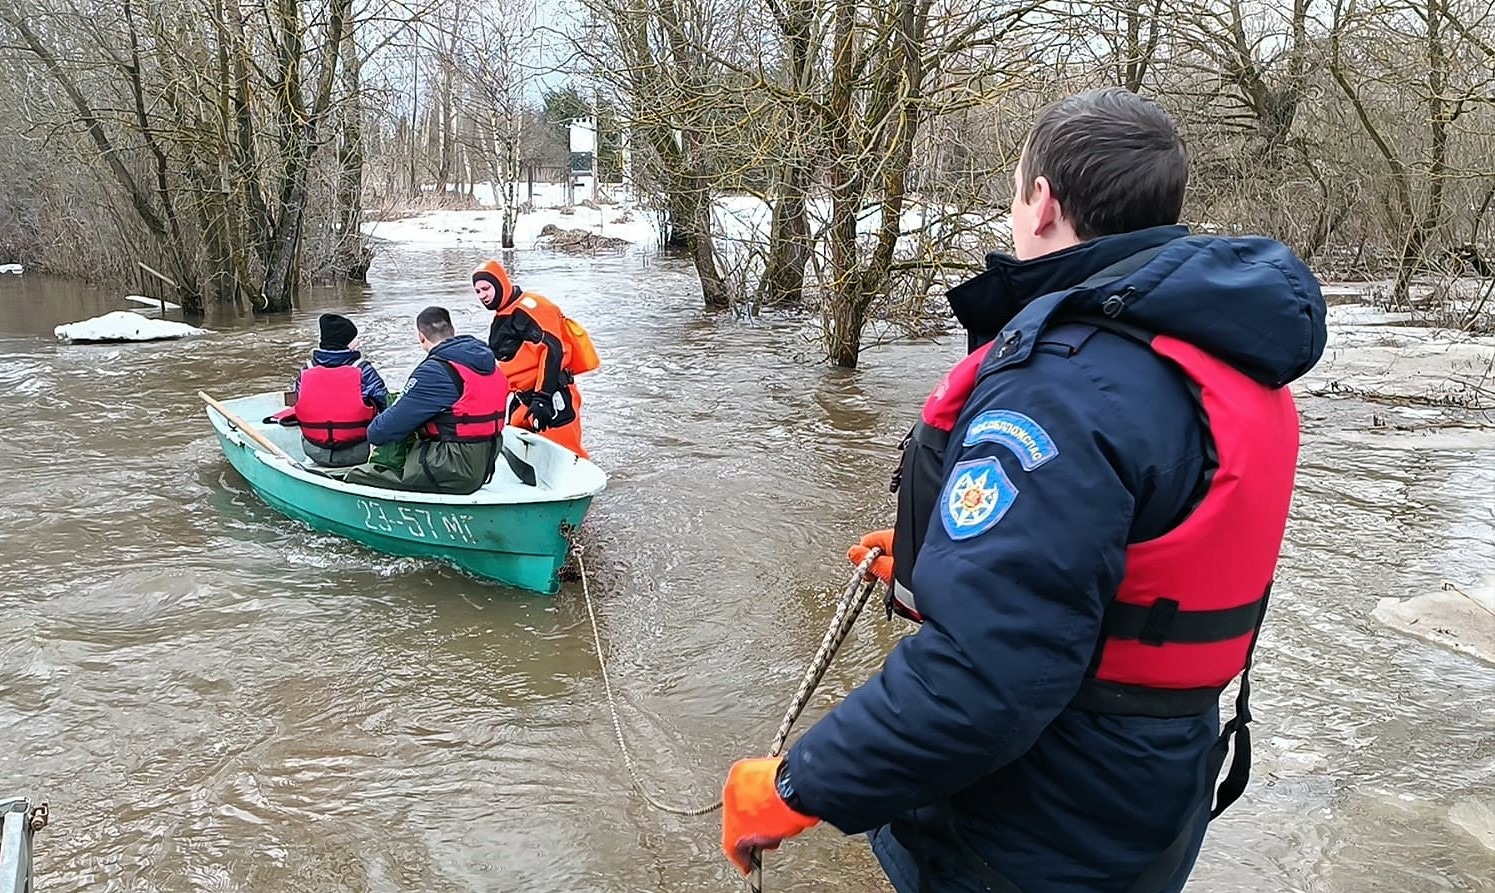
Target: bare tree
(668, 74)
(498, 77)
(176, 120)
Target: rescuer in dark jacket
(1090, 512)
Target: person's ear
(1046, 210)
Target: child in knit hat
(332, 405)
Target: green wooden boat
(510, 532)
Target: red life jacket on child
(330, 406)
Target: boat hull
(519, 544)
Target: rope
(853, 600)
(612, 708)
(858, 590)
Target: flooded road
(212, 697)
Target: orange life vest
(527, 367)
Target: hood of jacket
(348, 357)
(1248, 301)
(467, 350)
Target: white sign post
(583, 132)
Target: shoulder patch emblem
(1026, 438)
(528, 302)
(976, 497)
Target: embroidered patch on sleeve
(977, 495)
(1026, 438)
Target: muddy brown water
(212, 697)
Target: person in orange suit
(541, 352)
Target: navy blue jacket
(430, 389)
(373, 387)
(967, 724)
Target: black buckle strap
(330, 426)
(480, 417)
(896, 480)
(1163, 622)
(1237, 732)
(1096, 696)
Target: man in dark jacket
(454, 404)
(1089, 517)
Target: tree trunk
(841, 315)
(282, 275)
(443, 135)
(702, 248)
(355, 256)
(844, 323)
(789, 242)
(508, 172)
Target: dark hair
(1114, 161)
(435, 324)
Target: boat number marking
(417, 523)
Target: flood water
(212, 697)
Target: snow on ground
(740, 222)
(746, 219)
(11, 268)
(623, 220)
(123, 325)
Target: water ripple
(213, 697)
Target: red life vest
(478, 414)
(330, 406)
(1185, 616)
(1191, 601)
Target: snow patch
(1460, 619)
(123, 325)
(484, 228)
(739, 222)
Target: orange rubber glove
(753, 813)
(882, 565)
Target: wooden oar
(239, 423)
